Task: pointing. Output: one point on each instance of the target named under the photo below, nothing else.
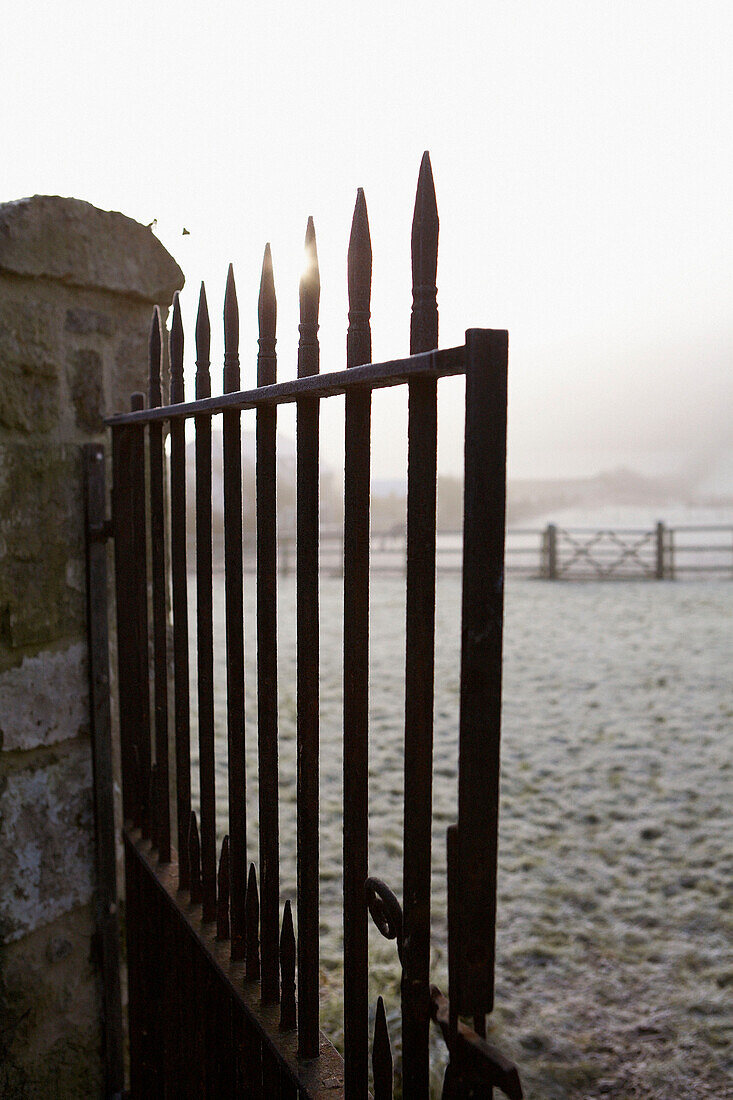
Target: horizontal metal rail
(395, 372)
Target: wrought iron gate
(215, 1008)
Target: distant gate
(222, 999)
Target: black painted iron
(267, 720)
(308, 664)
(204, 1010)
(357, 440)
(233, 582)
(179, 597)
(205, 616)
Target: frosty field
(614, 969)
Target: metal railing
(208, 957)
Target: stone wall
(76, 289)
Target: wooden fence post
(551, 543)
(659, 572)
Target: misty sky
(582, 154)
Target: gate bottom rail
(197, 1026)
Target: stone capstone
(76, 243)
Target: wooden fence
(661, 552)
(223, 998)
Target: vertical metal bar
(205, 616)
(420, 645)
(356, 661)
(288, 1020)
(308, 659)
(222, 892)
(481, 656)
(157, 559)
(179, 584)
(454, 916)
(232, 458)
(135, 1000)
(140, 701)
(100, 721)
(153, 803)
(267, 721)
(252, 972)
(194, 860)
(122, 520)
(381, 1056)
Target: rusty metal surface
(422, 473)
(179, 598)
(382, 1067)
(123, 527)
(159, 794)
(234, 615)
(481, 660)
(308, 659)
(357, 453)
(481, 1063)
(206, 1041)
(210, 1033)
(267, 702)
(205, 615)
(138, 566)
(440, 363)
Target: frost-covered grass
(614, 971)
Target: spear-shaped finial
(310, 295)
(203, 347)
(424, 320)
(359, 336)
(382, 1056)
(175, 349)
(231, 335)
(267, 317)
(194, 860)
(288, 1018)
(155, 351)
(252, 918)
(222, 893)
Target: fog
(582, 157)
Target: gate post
(76, 288)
